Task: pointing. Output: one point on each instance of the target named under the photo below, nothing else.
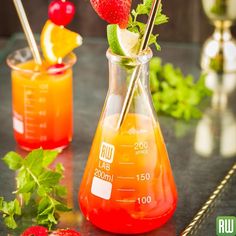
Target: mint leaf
(62, 207)
(10, 222)
(44, 191)
(43, 204)
(9, 210)
(59, 168)
(137, 26)
(49, 157)
(161, 19)
(153, 40)
(27, 187)
(47, 210)
(141, 10)
(34, 161)
(52, 219)
(1, 203)
(49, 178)
(17, 208)
(61, 191)
(13, 160)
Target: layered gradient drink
(135, 191)
(41, 101)
(128, 185)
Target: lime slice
(122, 41)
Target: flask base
(137, 226)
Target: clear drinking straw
(137, 71)
(28, 32)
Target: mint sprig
(37, 186)
(9, 210)
(137, 26)
(175, 94)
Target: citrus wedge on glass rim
(56, 42)
(122, 41)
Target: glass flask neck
(121, 70)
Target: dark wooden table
(196, 176)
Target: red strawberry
(113, 11)
(65, 232)
(35, 231)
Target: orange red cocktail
(41, 101)
(132, 190)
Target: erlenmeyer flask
(128, 185)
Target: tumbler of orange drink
(42, 101)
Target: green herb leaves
(13, 160)
(9, 210)
(37, 186)
(135, 25)
(173, 93)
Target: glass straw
(28, 32)
(136, 74)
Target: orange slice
(56, 42)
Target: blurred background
(187, 23)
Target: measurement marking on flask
(126, 163)
(31, 125)
(43, 91)
(30, 99)
(29, 86)
(141, 148)
(27, 118)
(29, 112)
(42, 113)
(28, 106)
(43, 125)
(30, 137)
(43, 138)
(144, 200)
(42, 100)
(126, 200)
(126, 190)
(143, 176)
(125, 177)
(29, 131)
(126, 145)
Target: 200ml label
(107, 152)
(102, 180)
